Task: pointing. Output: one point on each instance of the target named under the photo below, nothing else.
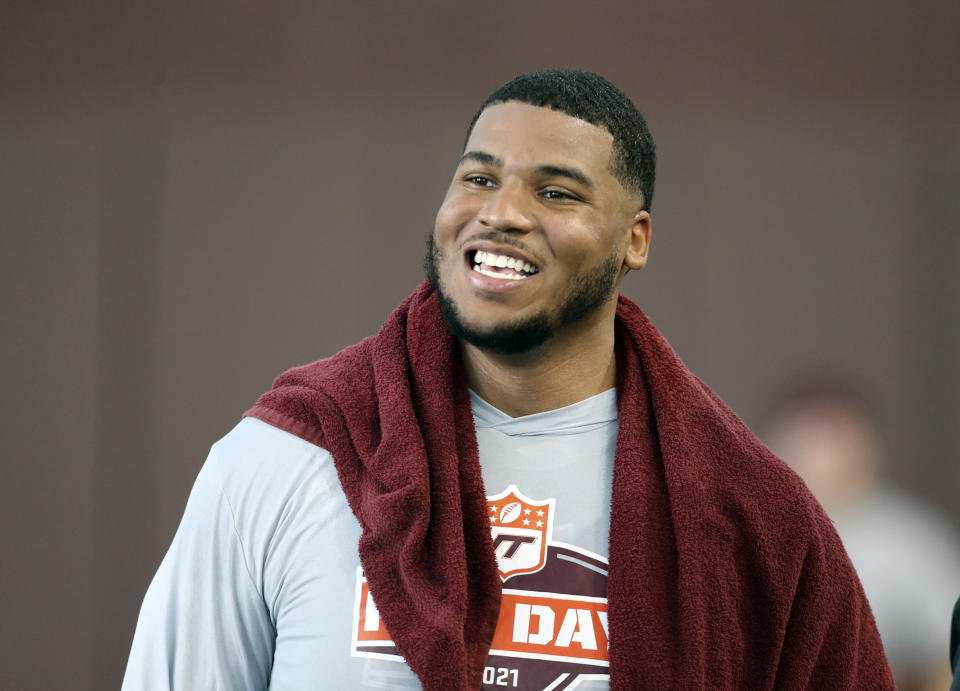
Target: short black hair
(591, 98)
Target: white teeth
(502, 261)
(496, 274)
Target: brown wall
(193, 199)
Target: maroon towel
(724, 572)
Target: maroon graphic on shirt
(552, 630)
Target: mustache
(506, 238)
(500, 238)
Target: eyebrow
(563, 172)
(482, 157)
(547, 171)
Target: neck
(576, 363)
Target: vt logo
(521, 529)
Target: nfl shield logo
(521, 528)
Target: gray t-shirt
(262, 585)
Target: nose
(507, 208)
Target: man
(515, 482)
(906, 556)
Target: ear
(639, 243)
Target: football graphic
(510, 512)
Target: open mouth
(501, 266)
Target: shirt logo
(521, 529)
(552, 629)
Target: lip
(489, 284)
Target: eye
(554, 194)
(479, 180)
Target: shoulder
(760, 512)
(271, 479)
(278, 489)
(306, 398)
(260, 462)
(353, 363)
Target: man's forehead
(515, 129)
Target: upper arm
(203, 622)
(258, 587)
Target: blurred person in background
(828, 430)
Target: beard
(588, 290)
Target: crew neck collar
(582, 416)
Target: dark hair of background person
(819, 385)
(590, 97)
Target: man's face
(534, 190)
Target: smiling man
(530, 244)
(516, 482)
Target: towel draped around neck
(724, 572)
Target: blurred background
(197, 196)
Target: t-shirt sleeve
(203, 623)
(256, 589)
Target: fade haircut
(591, 98)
